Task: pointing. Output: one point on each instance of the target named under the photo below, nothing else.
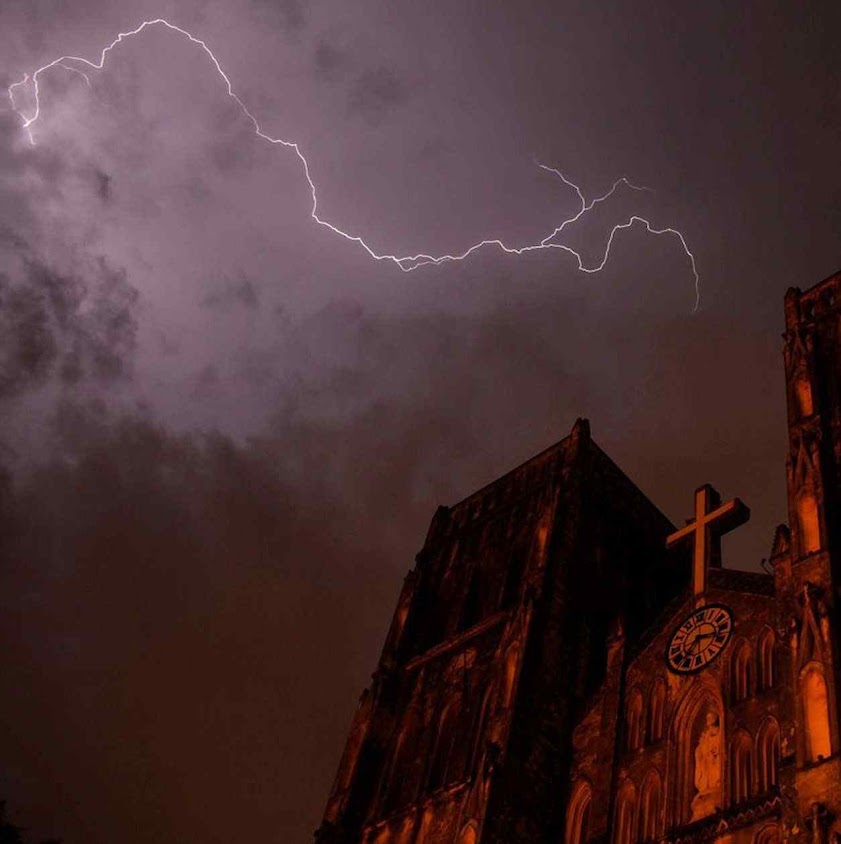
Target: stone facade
(524, 694)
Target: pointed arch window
(698, 753)
(767, 673)
(740, 673)
(803, 391)
(625, 815)
(406, 831)
(441, 769)
(425, 826)
(808, 521)
(741, 768)
(578, 815)
(633, 720)
(656, 710)
(815, 707)
(649, 813)
(468, 835)
(768, 755)
(404, 772)
(481, 731)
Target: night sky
(225, 428)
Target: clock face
(699, 639)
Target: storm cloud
(224, 428)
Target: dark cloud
(241, 291)
(376, 93)
(330, 61)
(63, 325)
(288, 15)
(187, 618)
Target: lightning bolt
(406, 263)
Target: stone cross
(712, 519)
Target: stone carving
(707, 768)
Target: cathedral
(566, 666)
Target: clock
(699, 639)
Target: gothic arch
(810, 642)
(483, 730)
(806, 505)
(650, 802)
(405, 832)
(402, 775)
(741, 767)
(444, 747)
(656, 710)
(803, 393)
(814, 704)
(469, 834)
(741, 663)
(624, 824)
(767, 755)
(766, 673)
(769, 834)
(633, 720)
(425, 824)
(577, 827)
(699, 712)
(382, 835)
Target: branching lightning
(406, 263)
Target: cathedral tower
(564, 666)
(807, 558)
(502, 629)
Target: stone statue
(707, 768)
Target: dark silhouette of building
(565, 665)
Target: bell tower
(808, 557)
(508, 623)
(813, 385)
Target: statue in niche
(707, 769)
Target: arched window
(578, 814)
(445, 744)
(383, 835)
(481, 731)
(803, 391)
(649, 813)
(769, 834)
(633, 720)
(468, 835)
(767, 755)
(740, 673)
(406, 831)
(699, 751)
(807, 519)
(767, 674)
(656, 710)
(403, 775)
(813, 697)
(624, 824)
(741, 768)
(425, 825)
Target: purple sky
(224, 428)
